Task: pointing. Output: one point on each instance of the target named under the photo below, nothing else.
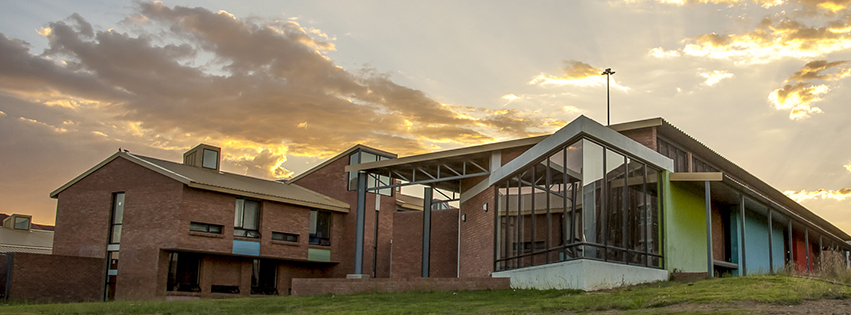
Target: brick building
(587, 207)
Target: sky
(284, 85)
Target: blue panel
(735, 239)
(246, 248)
(756, 243)
(777, 249)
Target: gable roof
(337, 157)
(223, 182)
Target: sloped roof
(32, 241)
(736, 174)
(224, 182)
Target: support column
(709, 259)
(359, 225)
(770, 244)
(807, 246)
(744, 255)
(791, 246)
(820, 252)
(427, 196)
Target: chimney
(204, 156)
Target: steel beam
(770, 244)
(427, 196)
(359, 228)
(791, 245)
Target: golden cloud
(847, 166)
(805, 195)
(715, 76)
(576, 73)
(799, 97)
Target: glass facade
(584, 201)
(372, 180)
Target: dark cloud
(262, 90)
(813, 71)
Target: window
(372, 180)
(286, 237)
(183, 270)
(246, 222)
(117, 218)
(320, 228)
(204, 227)
(22, 223)
(211, 159)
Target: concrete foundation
(582, 274)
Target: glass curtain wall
(584, 201)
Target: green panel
(685, 227)
(319, 254)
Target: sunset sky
(283, 85)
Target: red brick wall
(477, 235)
(54, 278)
(719, 239)
(287, 271)
(513, 153)
(408, 244)
(645, 136)
(331, 181)
(306, 287)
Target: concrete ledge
(581, 274)
(319, 286)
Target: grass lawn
(770, 289)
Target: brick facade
(55, 279)
(332, 181)
(157, 216)
(645, 136)
(408, 244)
(477, 234)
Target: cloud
(847, 166)
(179, 76)
(771, 40)
(576, 73)
(715, 76)
(800, 93)
(805, 195)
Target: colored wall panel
(685, 227)
(246, 248)
(756, 244)
(318, 254)
(777, 246)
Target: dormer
(18, 222)
(204, 156)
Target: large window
(116, 219)
(210, 159)
(320, 228)
(373, 180)
(183, 272)
(584, 201)
(264, 277)
(246, 222)
(22, 223)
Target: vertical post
(791, 245)
(744, 252)
(427, 196)
(533, 217)
(807, 246)
(709, 259)
(770, 244)
(375, 237)
(820, 252)
(359, 228)
(10, 263)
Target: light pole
(608, 73)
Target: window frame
(373, 180)
(28, 222)
(207, 227)
(314, 228)
(284, 237)
(239, 226)
(204, 159)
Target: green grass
(641, 299)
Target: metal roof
(230, 183)
(32, 241)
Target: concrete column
(427, 196)
(744, 253)
(709, 259)
(791, 245)
(807, 246)
(770, 244)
